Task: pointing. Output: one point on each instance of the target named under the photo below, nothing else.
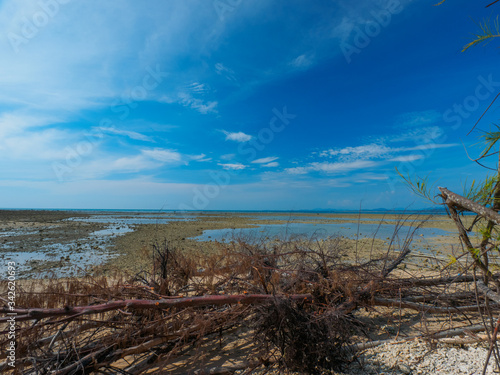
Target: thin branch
(422, 307)
(488, 292)
(37, 314)
(493, 101)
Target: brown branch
(436, 281)
(496, 1)
(37, 314)
(225, 370)
(83, 363)
(422, 307)
(488, 292)
(455, 200)
(397, 262)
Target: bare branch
(455, 200)
(37, 314)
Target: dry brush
(300, 301)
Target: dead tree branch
(73, 312)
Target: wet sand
(70, 238)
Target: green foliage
(488, 30)
(490, 139)
(453, 260)
(485, 233)
(476, 253)
(486, 34)
(483, 191)
(420, 186)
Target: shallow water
(70, 256)
(70, 259)
(317, 231)
(296, 218)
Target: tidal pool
(65, 259)
(317, 231)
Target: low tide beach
(75, 247)
(74, 243)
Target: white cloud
(17, 122)
(418, 135)
(329, 168)
(238, 137)
(343, 29)
(28, 137)
(228, 156)
(148, 159)
(297, 170)
(67, 66)
(302, 61)
(48, 144)
(417, 119)
(265, 160)
(377, 151)
(429, 146)
(407, 158)
(273, 164)
(99, 168)
(163, 155)
(370, 176)
(200, 158)
(187, 100)
(224, 71)
(131, 164)
(341, 167)
(366, 151)
(233, 166)
(126, 133)
(199, 88)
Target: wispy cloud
(199, 88)
(236, 136)
(420, 135)
(421, 118)
(224, 71)
(369, 151)
(232, 166)
(265, 160)
(127, 133)
(109, 166)
(187, 100)
(200, 158)
(169, 156)
(163, 155)
(378, 151)
(407, 158)
(17, 122)
(302, 61)
(28, 137)
(228, 156)
(331, 168)
(430, 146)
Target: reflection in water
(319, 231)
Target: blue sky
(238, 104)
